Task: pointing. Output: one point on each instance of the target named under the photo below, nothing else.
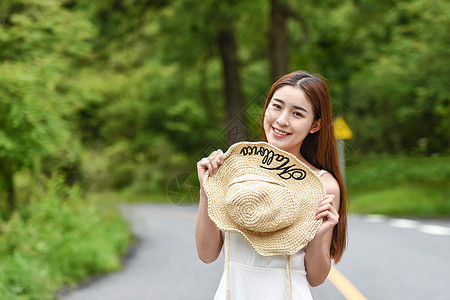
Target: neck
(303, 160)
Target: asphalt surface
(398, 258)
(386, 259)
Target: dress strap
(227, 262)
(322, 172)
(288, 295)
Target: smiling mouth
(280, 132)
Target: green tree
(407, 83)
(39, 44)
(388, 63)
(280, 13)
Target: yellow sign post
(342, 132)
(341, 129)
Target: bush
(58, 239)
(381, 173)
(144, 171)
(400, 186)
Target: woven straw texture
(267, 195)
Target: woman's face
(289, 118)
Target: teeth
(279, 132)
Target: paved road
(386, 259)
(398, 258)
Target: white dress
(256, 277)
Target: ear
(315, 126)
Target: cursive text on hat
(287, 172)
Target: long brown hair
(319, 148)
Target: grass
(58, 239)
(401, 187)
(406, 200)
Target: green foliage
(32, 30)
(379, 173)
(388, 63)
(85, 85)
(407, 80)
(57, 239)
(419, 201)
(40, 43)
(157, 77)
(402, 186)
(139, 172)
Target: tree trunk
(393, 129)
(236, 129)
(8, 177)
(279, 56)
(203, 91)
(11, 194)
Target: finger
(214, 165)
(326, 203)
(328, 216)
(323, 214)
(203, 163)
(326, 208)
(221, 156)
(328, 199)
(221, 159)
(215, 153)
(212, 162)
(217, 158)
(207, 165)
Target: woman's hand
(210, 163)
(326, 211)
(208, 238)
(318, 253)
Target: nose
(283, 120)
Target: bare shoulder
(331, 185)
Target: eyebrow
(295, 106)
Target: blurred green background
(116, 100)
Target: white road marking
(404, 223)
(435, 229)
(409, 224)
(375, 218)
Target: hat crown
(260, 204)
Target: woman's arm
(317, 257)
(208, 238)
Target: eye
(297, 114)
(276, 106)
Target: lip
(279, 135)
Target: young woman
(297, 119)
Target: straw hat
(267, 195)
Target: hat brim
(261, 158)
